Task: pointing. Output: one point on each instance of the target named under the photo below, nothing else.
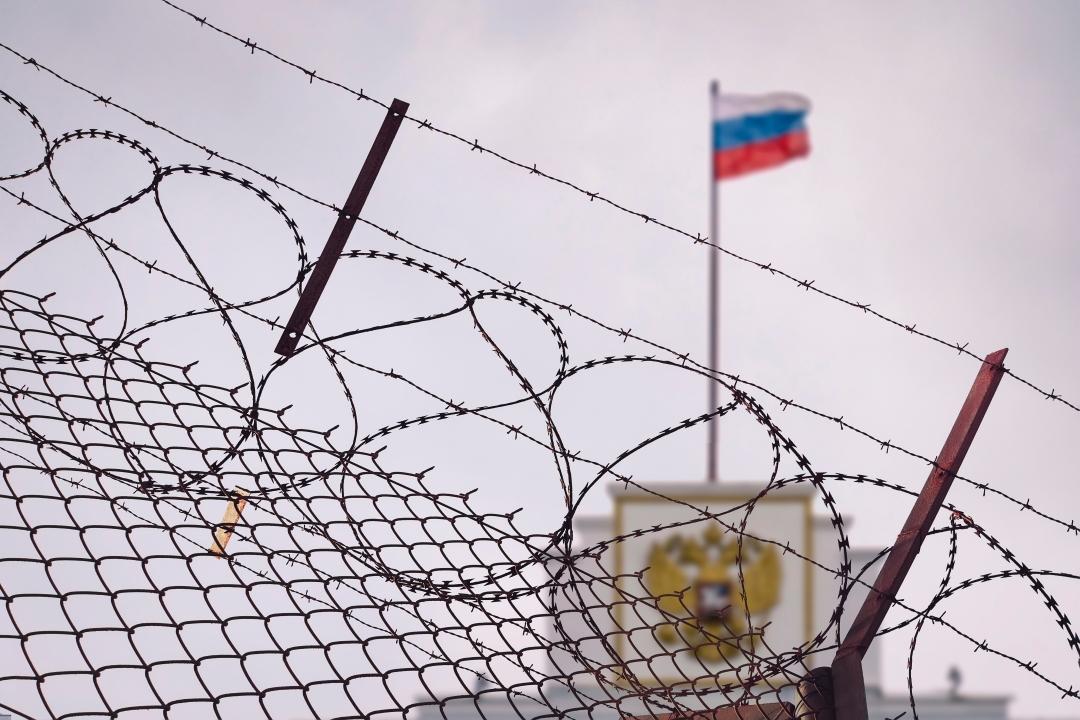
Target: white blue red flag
(755, 132)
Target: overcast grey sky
(942, 189)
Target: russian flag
(755, 132)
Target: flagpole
(714, 290)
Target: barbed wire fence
(474, 145)
(174, 546)
(684, 358)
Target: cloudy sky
(941, 190)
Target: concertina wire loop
(684, 358)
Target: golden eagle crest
(699, 581)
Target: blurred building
(688, 570)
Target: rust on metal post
(815, 693)
(225, 529)
(848, 687)
(316, 283)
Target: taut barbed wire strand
(474, 144)
(884, 444)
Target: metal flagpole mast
(714, 289)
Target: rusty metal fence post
(301, 314)
(849, 691)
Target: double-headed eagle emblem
(698, 580)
